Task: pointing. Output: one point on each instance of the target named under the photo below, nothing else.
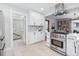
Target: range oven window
(57, 43)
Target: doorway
(19, 30)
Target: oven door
(59, 45)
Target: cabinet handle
(75, 47)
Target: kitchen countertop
(74, 35)
(60, 32)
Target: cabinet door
(31, 37)
(42, 22)
(32, 20)
(40, 36)
(36, 37)
(71, 50)
(37, 20)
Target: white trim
(11, 28)
(20, 13)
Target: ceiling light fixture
(42, 8)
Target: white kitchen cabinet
(32, 20)
(31, 37)
(70, 50)
(42, 21)
(39, 37)
(71, 45)
(42, 36)
(36, 18)
(35, 37)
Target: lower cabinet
(31, 37)
(40, 36)
(35, 37)
(71, 45)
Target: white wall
(52, 20)
(1, 24)
(7, 11)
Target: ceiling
(43, 8)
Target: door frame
(48, 27)
(11, 27)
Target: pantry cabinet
(36, 27)
(31, 20)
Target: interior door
(19, 29)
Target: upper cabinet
(36, 18)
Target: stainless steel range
(58, 42)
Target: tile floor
(18, 42)
(37, 49)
